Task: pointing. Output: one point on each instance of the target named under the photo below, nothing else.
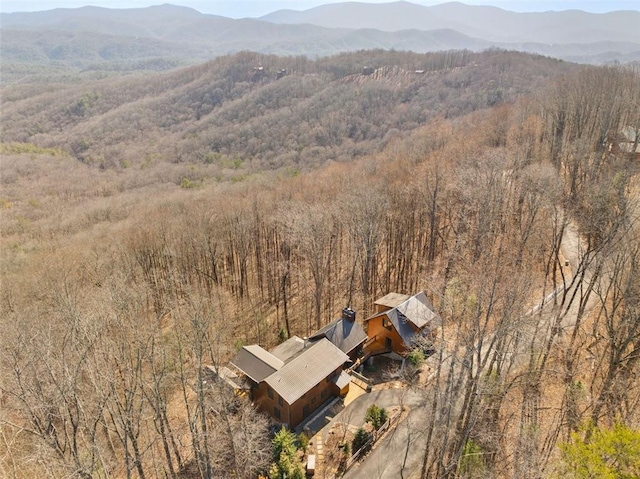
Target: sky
(256, 8)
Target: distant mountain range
(165, 36)
(488, 23)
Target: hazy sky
(254, 8)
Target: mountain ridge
(225, 109)
(486, 22)
(95, 39)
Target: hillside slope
(119, 285)
(259, 112)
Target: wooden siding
(320, 393)
(381, 307)
(379, 334)
(263, 402)
(293, 414)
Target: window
(324, 394)
(313, 399)
(280, 401)
(276, 412)
(305, 411)
(269, 392)
(386, 322)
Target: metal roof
(402, 325)
(309, 368)
(392, 300)
(289, 348)
(411, 316)
(343, 333)
(342, 380)
(255, 362)
(419, 311)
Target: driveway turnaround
(387, 459)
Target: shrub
(287, 464)
(284, 442)
(416, 358)
(471, 463)
(383, 416)
(376, 416)
(303, 441)
(360, 439)
(344, 458)
(282, 335)
(346, 450)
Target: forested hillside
(249, 112)
(151, 226)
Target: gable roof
(255, 362)
(391, 300)
(343, 333)
(288, 349)
(400, 323)
(411, 316)
(303, 372)
(419, 310)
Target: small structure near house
(234, 382)
(295, 379)
(626, 143)
(400, 323)
(311, 464)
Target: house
(345, 333)
(626, 143)
(400, 323)
(294, 379)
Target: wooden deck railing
(375, 436)
(362, 381)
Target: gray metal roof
(391, 300)
(342, 380)
(401, 323)
(411, 317)
(255, 362)
(343, 333)
(419, 310)
(288, 349)
(309, 368)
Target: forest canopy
(152, 226)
